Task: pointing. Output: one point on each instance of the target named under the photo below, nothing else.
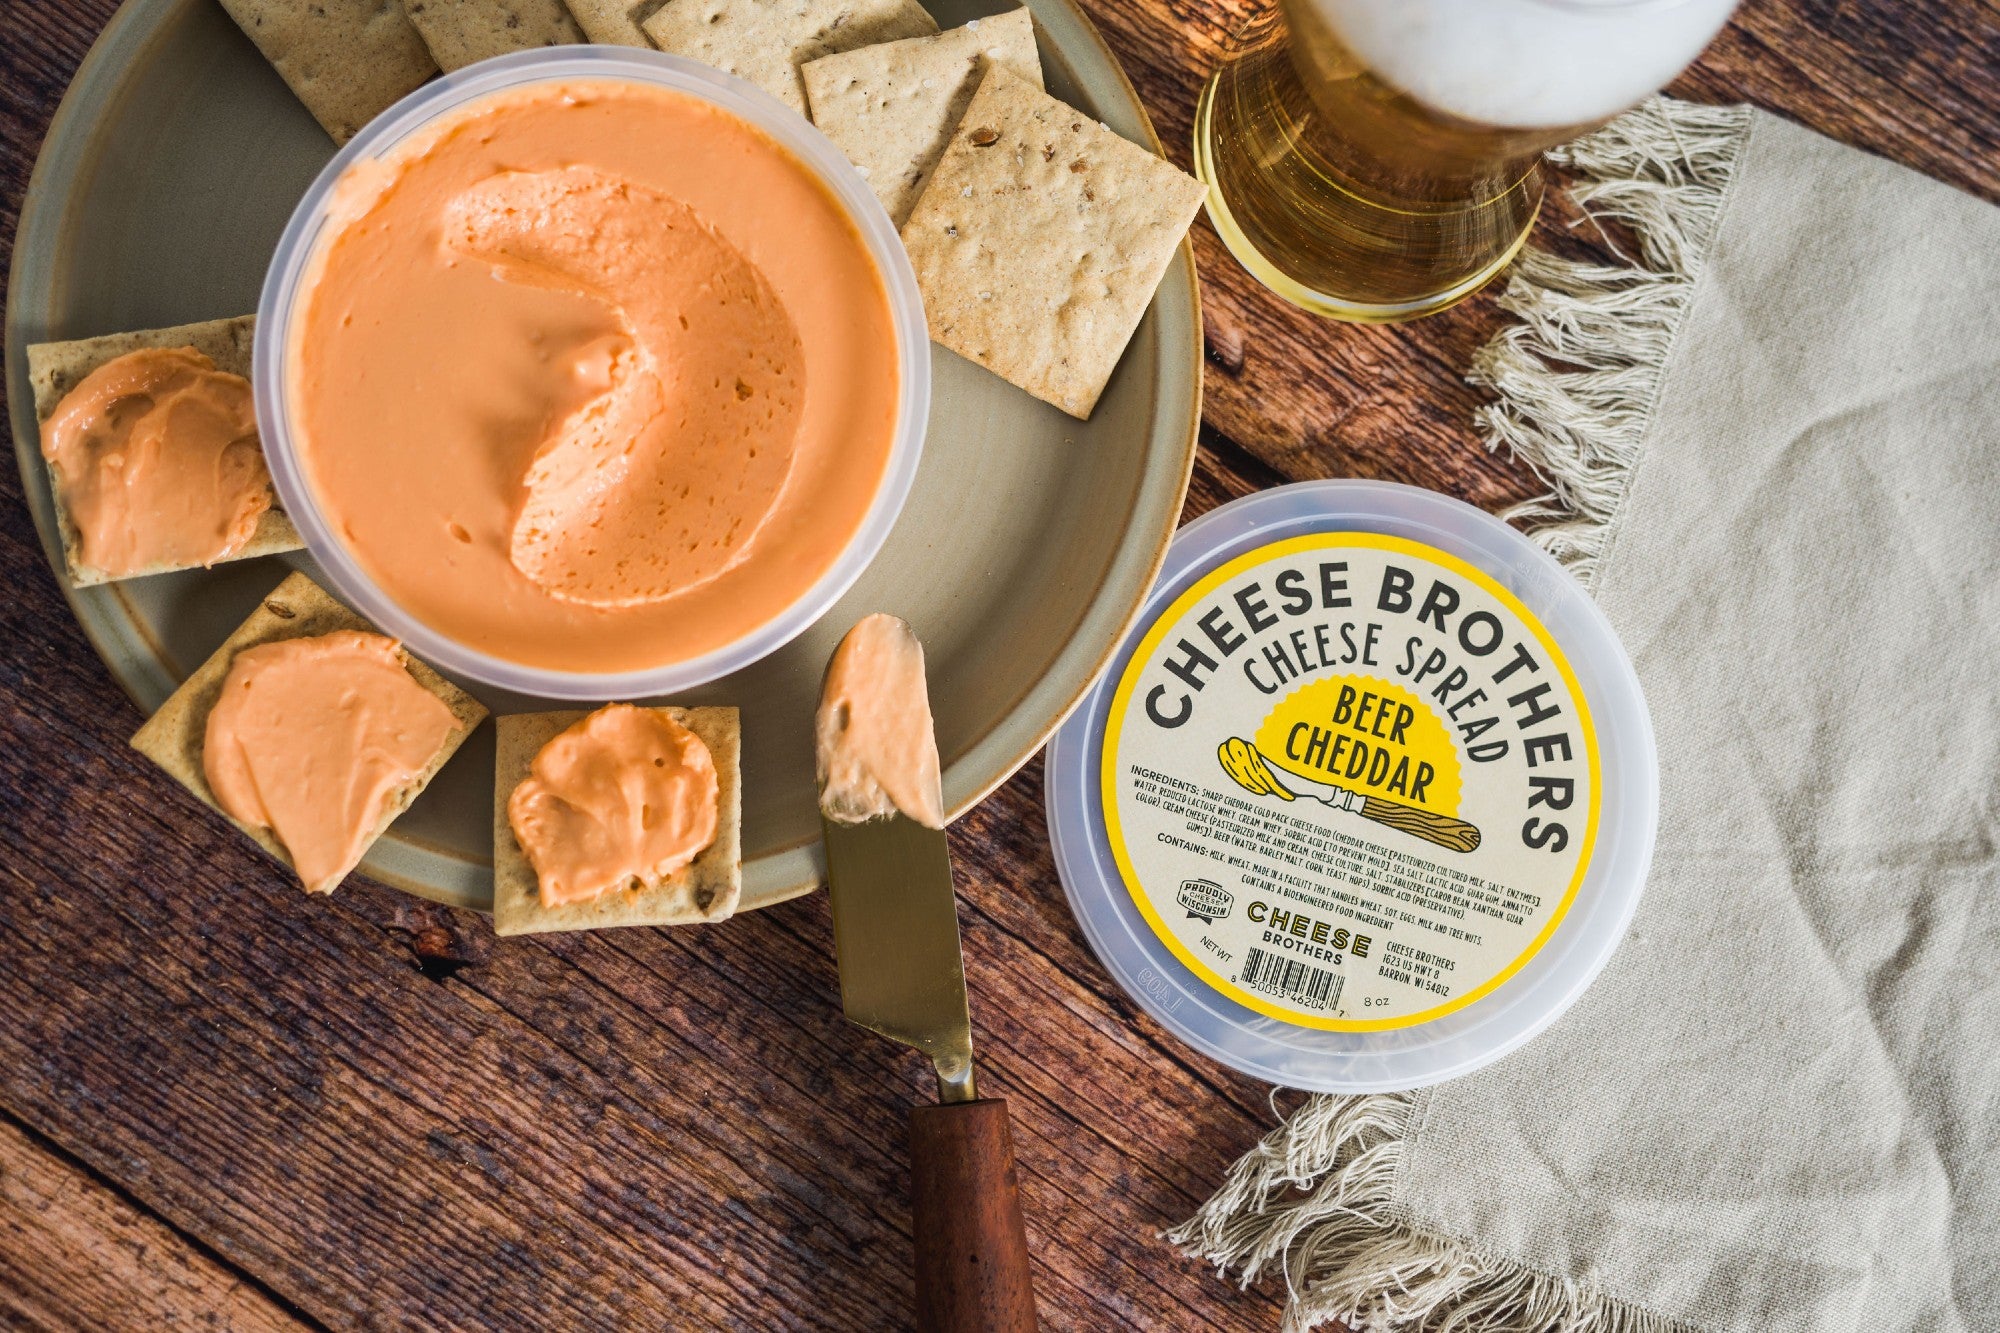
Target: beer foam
(1526, 63)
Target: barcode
(1309, 987)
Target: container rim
(303, 233)
(1489, 1028)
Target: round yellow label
(1351, 781)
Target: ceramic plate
(1026, 547)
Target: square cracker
(765, 41)
(56, 368)
(460, 32)
(892, 107)
(296, 609)
(347, 60)
(611, 22)
(1040, 238)
(714, 877)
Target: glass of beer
(1377, 160)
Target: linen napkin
(1774, 447)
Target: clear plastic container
(1133, 944)
(452, 94)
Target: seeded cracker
(706, 889)
(296, 609)
(460, 32)
(609, 22)
(56, 368)
(765, 41)
(1040, 238)
(346, 59)
(891, 108)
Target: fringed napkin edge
(1663, 171)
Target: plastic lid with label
(1368, 795)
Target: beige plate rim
(109, 622)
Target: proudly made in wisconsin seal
(1205, 900)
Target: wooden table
(225, 1106)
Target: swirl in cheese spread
(701, 387)
(312, 738)
(624, 798)
(155, 454)
(877, 752)
(592, 376)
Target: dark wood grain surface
(225, 1106)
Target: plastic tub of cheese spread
(1367, 797)
(666, 646)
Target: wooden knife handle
(972, 1255)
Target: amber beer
(1377, 160)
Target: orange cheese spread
(312, 738)
(877, 752)
(625, 797)
(593, 376)
(155, 454)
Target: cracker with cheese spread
(1040, 238)
(298, 608)
(892, 107)
(765, 41)
(706, 889)
(55, 368)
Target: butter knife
(895, 929)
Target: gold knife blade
(895, 932)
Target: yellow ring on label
(1168, 619)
